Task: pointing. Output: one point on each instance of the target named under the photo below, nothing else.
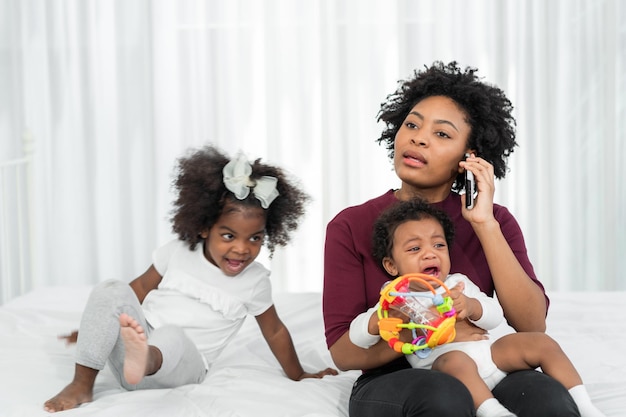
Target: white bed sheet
(247, 380)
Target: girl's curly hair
(487, 110)
(402, 212)
(202, 195)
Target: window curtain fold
(113, 92)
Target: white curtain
(112, 92)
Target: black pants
(425, 393)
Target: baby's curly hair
(202, 195)
(487, 109)
(402, 212)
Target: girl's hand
(320, 374)
(69, 338)
(483, 206)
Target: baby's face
(419, 246)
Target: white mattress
(248, 381)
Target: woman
(432, 121)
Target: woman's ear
(204, 234)
(390, 266)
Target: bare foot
(136, 346)
(79, 391)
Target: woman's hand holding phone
(470, 187)
(482, 182)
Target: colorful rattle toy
(436, 329)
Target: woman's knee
(412, 392)
(533, 393)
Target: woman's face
(429, 145)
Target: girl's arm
(522, 300)
(281, 345)
(145, 283)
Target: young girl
(411, 237)
(170, 324)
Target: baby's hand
(459, 300)
(465, 306)
(69, 338)
(320, 374)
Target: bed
(247, 381)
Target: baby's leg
(519, 351)
(140, 359)
(529, 350)
(461, 366)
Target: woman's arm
(281, 345)
(347, 356)
(522, 300)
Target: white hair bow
(237, 180)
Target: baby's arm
(281, 345)
(360, 329)
(490, 312)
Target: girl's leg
(97, 338)
(167, 359)
(79, 391)
(410, 393)
(139, 358)
(182, 362)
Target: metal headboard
(15, 225)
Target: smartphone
(470, 188)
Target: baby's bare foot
(136, 346)
(71, 396)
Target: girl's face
(429, 145)
(419, 246)
(235, 240)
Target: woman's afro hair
(201, 196)
(487, 109)
(402, 212)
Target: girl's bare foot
(79, 391)
(136, 346)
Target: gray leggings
(99, 340)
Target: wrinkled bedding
(247, 380)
